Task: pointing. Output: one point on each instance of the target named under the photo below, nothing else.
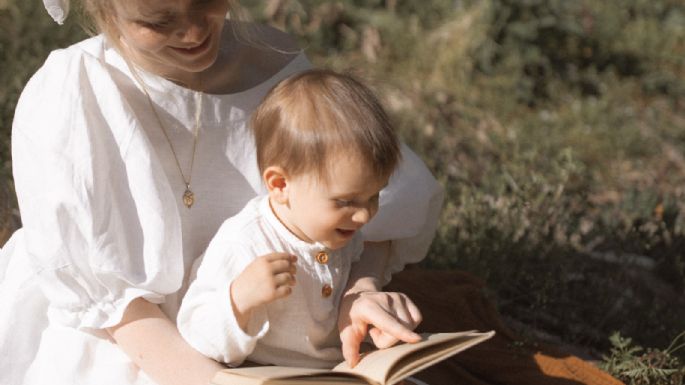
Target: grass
(555, 127)
(636, 366)
(557, 131)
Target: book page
(281, 375)
(378, 367)
(387, 366)
(419, 360)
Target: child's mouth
(346, 233)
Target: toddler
(325, 149)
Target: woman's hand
(266, 279)
(388, 317)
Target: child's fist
(266, 279)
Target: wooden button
(326, 291)
(322, 257)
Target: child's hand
(266, 279)
(387, 317)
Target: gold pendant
(188, 197)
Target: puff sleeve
(206, 318)
(408, 214)
(99, 221)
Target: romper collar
(309, 248)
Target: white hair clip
(58, 9)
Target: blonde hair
(308, 117)
(100, 14)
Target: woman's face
(172, 38)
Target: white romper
(298, 330)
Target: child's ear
(276, 181)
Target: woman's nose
(193, 29)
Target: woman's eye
(342, 203)
(161, 24)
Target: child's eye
(342, 202)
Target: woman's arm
(367, 273)
(153, 343)
(391, 317)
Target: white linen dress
(103, 221)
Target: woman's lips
(194, 50)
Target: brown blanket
(455, 300)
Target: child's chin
(335, 245)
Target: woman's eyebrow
(167, 13)
(162, 13)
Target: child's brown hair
(312, 115)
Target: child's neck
(281, 212)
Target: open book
(378, 367)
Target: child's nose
(362, 215)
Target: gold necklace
(188, 197)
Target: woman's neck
(222, 76)
(239, 65)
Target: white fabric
(58, 9)
(103, 223)
(299, 330)
(408, 215)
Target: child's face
(330, 212)
(171, 38)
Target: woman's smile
(194, 50)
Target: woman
(129, 149)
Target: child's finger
(389, 325)
(352, 337)
(380, 339)
(407, 313)
(414, 312)
(284, 279)
(282, 266)
(281, 256)
(282, 291)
